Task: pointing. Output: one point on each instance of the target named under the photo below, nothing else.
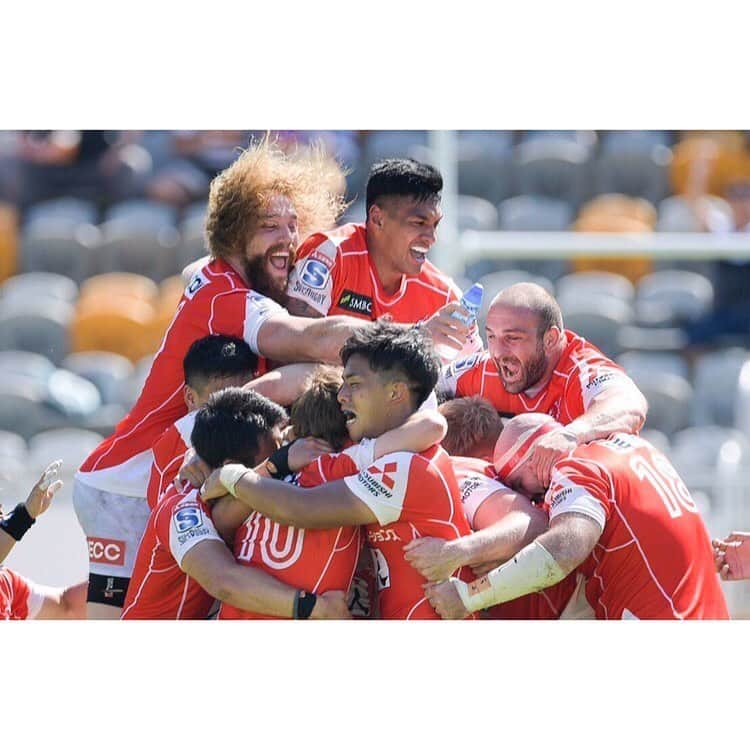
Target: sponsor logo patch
(187, 518)
(356, 303)
(106, 551)
(196, 284)
(314, 274)
(385, 473)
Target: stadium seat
(675, 214)
(605, 210)
(106, 370)
(13, 456)
(104, 419)
(113, 287)
(742, 403)
(123, 330)
(725, 154)
(646, 339)
(27, 364)
(672, 297)
(74, 211)
(70, 444)
(23, 408)
(59, 246)
(584, 138)
(386, 144)
(650, 364)
(170, 293)
(192, 241)
(142, 212)
(132, 389)
(42, 328)
(476, 213)
(552, 167)
(669, 397)
(595, 284)
(8, 240)
(135, 245)
(534, 213)
(633, 141)
(597, 320)
(485, 165)
(40, 283)
(716, 377)
(642, 174)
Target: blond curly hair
(312, 179)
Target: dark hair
(402, 177)
(231, 425)
(400, 352)
(317, 413)
(218, 356)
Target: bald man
(620, 514)
(532, 364)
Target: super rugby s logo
(279, 546)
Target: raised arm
(284, 384)
(541, 564)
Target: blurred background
(643, 236)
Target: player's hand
(43, 491)
(549, 449)
(305, 451)
(444, 329)
(213, 488)
(484, 568)
(435, 559)
(445, 600)
(331, 606)
(732, 556)
(193, 472)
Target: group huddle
(299, 449)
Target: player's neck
(389, 277)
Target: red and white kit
(169, 452)
(316, 560)
(159, 590)
(582, 373)
(20, 598)
(654, 559)
(334, 274)
(412, 495)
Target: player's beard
(533, 371)
(262, 281)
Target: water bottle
(470, 302)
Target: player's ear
(375, 215)
(191, 397)
(399, 391)
(551, 337)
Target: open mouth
(418, 254)
(279, 260)
(349, 416)
(509, 371)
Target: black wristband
(304, 603)
(277, 463)
(17, 522)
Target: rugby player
(21, 598)
(258, 208)
(732, 556)
(211, 363)
(620, 512)
(388, 373)
(532, 364)
(380, 267)
(183, 564)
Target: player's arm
(65, 603)
(284, 384)
(619, 407)
(543, 563)
(301, 308)
(14, 525)
(506, 522)
(324, 507)
(292, 339)
(212, 566)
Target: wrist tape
(230, 474)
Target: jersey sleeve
(314, 278)
(384, 486)
(579, 487)
(461, 377)
(475, 488)
(184, 525)
(593, 377)
(17, 592)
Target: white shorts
(113, 525)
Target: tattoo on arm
(301, 308)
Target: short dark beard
(260, 281)
(536, 367)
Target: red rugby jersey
(333, 274)
(169, 452)
(216, 301)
